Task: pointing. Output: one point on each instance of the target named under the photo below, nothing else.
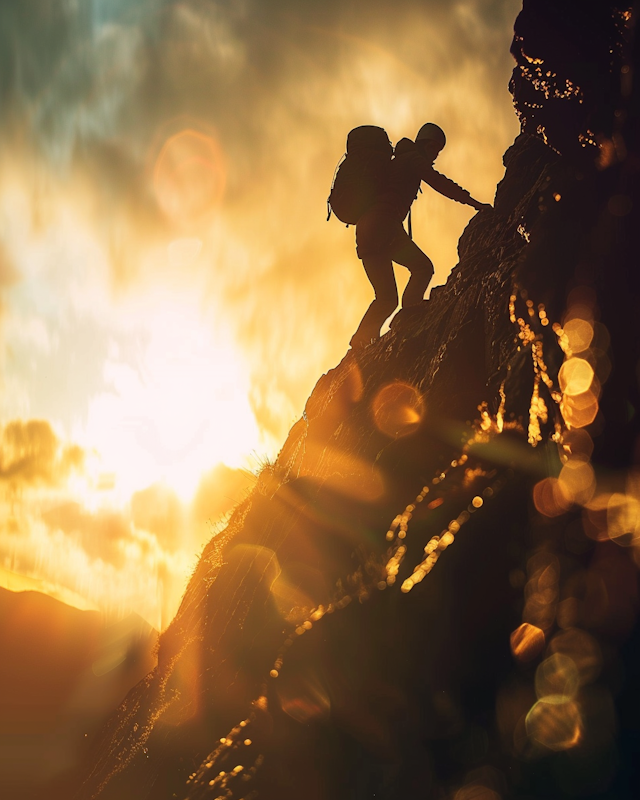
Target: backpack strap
(409, 231)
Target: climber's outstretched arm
(445, 186)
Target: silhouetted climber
(373, 189)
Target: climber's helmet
(431, 140)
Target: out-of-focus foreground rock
(434, 591)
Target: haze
(171, 290)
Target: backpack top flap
(369, 137)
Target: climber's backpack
(362, 176)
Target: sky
(170, 289)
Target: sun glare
(176, 410)
(171, 290)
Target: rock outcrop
(433, 591)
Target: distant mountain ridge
(62, 672)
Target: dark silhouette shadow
(374, 188)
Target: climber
(381, 238)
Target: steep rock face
(320, 650)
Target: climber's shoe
(409, 314)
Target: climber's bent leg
(379, 270)
(409, 255)
(378, 232)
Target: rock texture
(320, 651)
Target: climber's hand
(478, 205)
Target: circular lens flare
(189, 176)
(398, 409)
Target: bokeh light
(579, 333)
(549, 499)
(579, 410)
(575, 376)
(555, 722)
(541, 590)
(595, 517)
(527, 642)
(583, 650)
(578, 443)
(577, 481)
(623, 519)
(557, 675)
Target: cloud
(31, 454)
(276, 86)
(167, 274)
(103, 534)
(8, 272)
(99, 89)
(118, 560)
(61, 528)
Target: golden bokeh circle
(579, 333)
(575, 376)
(579, 410)
(555, 722)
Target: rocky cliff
(433, 591)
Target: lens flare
(189, 176)
(398, 409)
(292, 603)
(304, 698)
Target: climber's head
(431, 140)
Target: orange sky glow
(170, 290)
